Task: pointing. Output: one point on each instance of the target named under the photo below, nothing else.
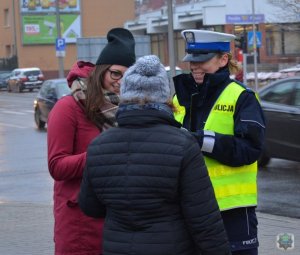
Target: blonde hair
(233, 65)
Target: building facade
(277, 27)
(29, 29)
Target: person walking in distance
(73, 123)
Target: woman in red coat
(73, 123)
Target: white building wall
(216, 15)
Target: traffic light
(241, 42)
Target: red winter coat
(69, 134)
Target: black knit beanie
(119, 49)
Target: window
(8, 51)
(62, 89)
(297, 94)
(6, 17)
(282, 39)
(45, 88)
(158, 46)
(280, 94)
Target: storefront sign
(245, 19)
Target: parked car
(4, 75)
(50, 92)
(25, 78)
(178, 70)
(281, 104)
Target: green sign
(41, 29)
(46, 6)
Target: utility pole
(15, 48)
(171, 44)
(60, 57)
(254, 46)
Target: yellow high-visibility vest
(180, 110)
(234, 186)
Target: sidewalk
(26, 229)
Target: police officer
(228, 121)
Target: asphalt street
(26, 221)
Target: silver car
(281, 105)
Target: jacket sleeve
(199, 205)
(61, 129)
(88, 201)
(245, 146)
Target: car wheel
(39, 123)
(264, 159)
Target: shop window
(8, 51)
(158, 46)
(282, 39)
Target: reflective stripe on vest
(234, 186)
(179, 113)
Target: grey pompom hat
(146, 80)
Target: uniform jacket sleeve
(63, 165)
(88, 201)
(199, 205)
(245, 146)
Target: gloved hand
(199, 134)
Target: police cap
(202, 45)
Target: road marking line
(12, 125)
(13, 112)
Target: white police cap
(202, 45)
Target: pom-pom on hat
(80, 69)
(119, 50)
(203, 45)
(146, 80)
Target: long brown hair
(94, 94)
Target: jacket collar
(145, 117)
(185, 85)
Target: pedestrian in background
(73, 123)
(148, 176)
(228, 121)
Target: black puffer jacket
(149, 177)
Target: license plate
(32, 78)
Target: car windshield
(31, 73)
(4, 75)
(63, 89)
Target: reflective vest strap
(235, 189)
(241, 200)
(234, 179)
(218, 170)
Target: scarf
(154, 106)
(106, 115)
